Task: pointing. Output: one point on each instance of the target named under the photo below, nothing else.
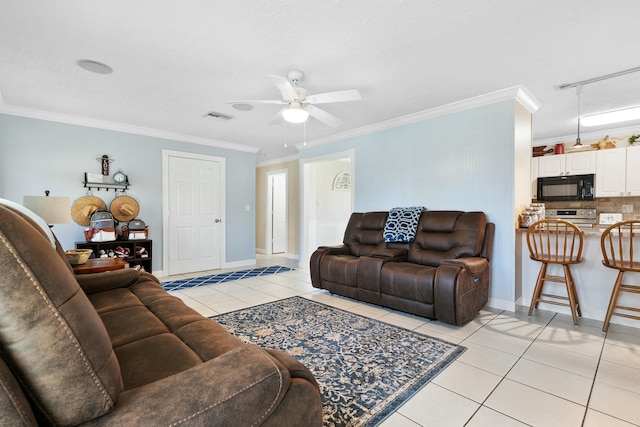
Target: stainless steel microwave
(562, 188)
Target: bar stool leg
(575, 291)
(570, 293)
(612, 301)
(538, 289)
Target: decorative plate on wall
(342, 181)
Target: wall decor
(104, 163)
(342, 182)
(119, 182)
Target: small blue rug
(174, 285)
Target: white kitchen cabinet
(633, 171)
(617, 172)
(580, 163)
(551, 165)
(611, 172)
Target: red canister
(559, 148)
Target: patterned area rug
(366, 368)
(175, 285)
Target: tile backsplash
(604, 204)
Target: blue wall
(459, 161)
(38, 155)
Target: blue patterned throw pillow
(402, 224)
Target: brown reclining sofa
(443, 274)
(115, 349)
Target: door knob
(218, 220)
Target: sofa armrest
(474, 265)
(97, 282)
(240, 387)
(316, 258)
(396, 253)
(336, 250)
(461, 289)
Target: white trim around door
(166, 210)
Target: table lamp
(54, 210)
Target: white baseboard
(242, 263)
(265, 252)
(502, 304)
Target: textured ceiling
(175, 61)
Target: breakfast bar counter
(593, 280)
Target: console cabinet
(136, 255)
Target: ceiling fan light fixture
(616, 116)
(295, 113)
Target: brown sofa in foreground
(116, 349)
(443, 274)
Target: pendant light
(578, 145)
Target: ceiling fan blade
(338, 96)
(323, 116)
(277, 119)
(287, 90)
(258, 101)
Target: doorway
(193, 212)
(328, 201)
(277, 221)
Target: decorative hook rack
(105, 185)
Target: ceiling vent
(216, 115)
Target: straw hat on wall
(84, 207)
(124, 208)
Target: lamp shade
(295, 113)
(54, 210)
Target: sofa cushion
(153, 358)
(341, 269)
(408, 281)
(364, 232)
(445, 235)
(169, 337)
(14, 406)
(53, 339)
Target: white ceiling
(175, 61)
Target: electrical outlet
(627, 208)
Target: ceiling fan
(299, 103)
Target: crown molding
(519, 93)
(586, 136)
(277, 161)
(119, 127)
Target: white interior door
(278, 213)
(195, 214)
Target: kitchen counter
(594, 281)
(587, 231)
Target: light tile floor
(516, 371)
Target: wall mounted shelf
(105, 185)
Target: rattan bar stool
(555, 241)
(617, 250)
